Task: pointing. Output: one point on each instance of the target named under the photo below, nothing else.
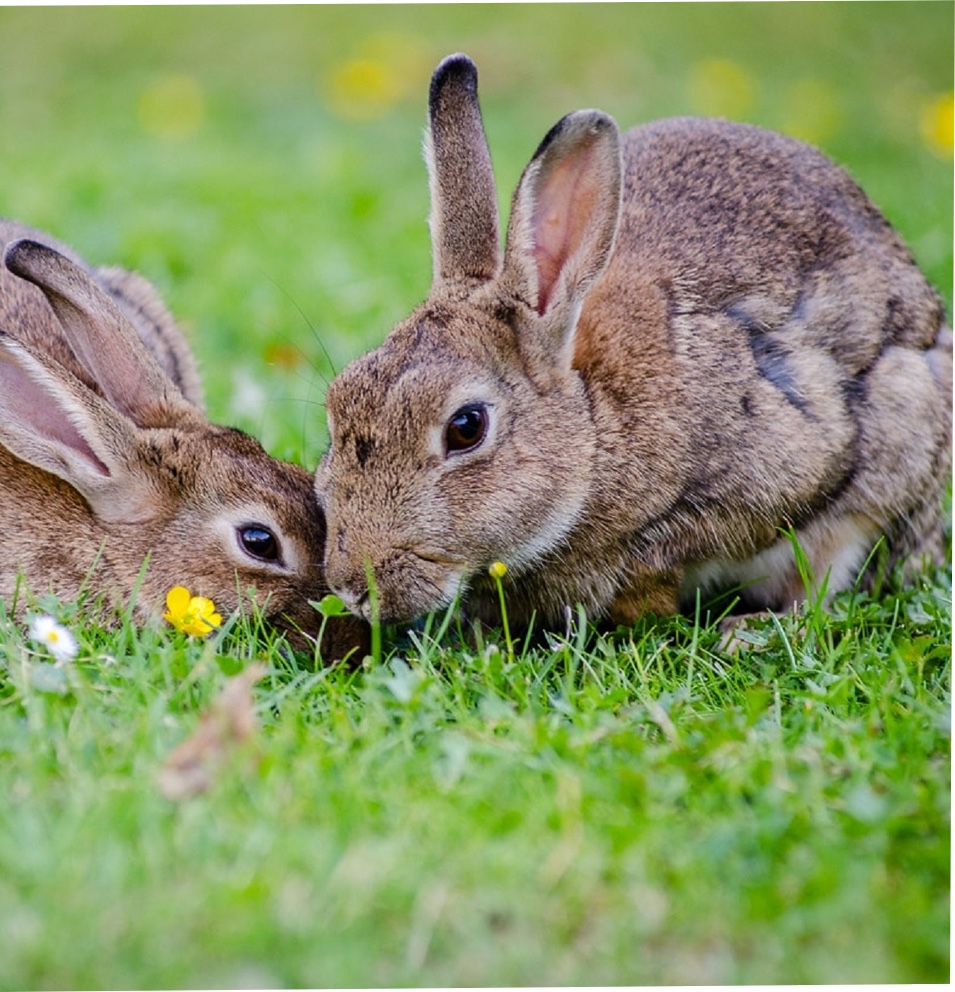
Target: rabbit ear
(49, 419)
(564, 219)
(101, 338)
(464, 220)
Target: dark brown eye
(466, 429)
(259, 542)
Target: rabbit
(701, 339)
(106, 458)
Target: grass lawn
(631, 809)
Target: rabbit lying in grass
(699, 334)
(106, 457)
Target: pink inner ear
(563, 207)
(38, 411)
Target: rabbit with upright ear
(699, 335)
(106, 458)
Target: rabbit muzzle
(396, 587)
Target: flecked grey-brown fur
(699, 334)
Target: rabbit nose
(354, 596)
(347, 577)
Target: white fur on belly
(837, 546)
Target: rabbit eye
(466, 429)
(259, 542)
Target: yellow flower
(385, 69)
(193, 615)
(721, 88)
(935, 124)
(497, 570)
(363, 88)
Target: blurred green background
(262, 164)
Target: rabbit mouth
(419, 582)
(437, 559)
(408, 585)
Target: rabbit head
(698, 335)
(95, 482)
(432, 472)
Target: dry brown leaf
(230, 721)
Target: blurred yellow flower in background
(385, 69)
(172, 107)
(721, 88)
(363, 88)
(936, 124)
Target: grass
(630, 809)
(641, 811)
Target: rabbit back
(780, 357)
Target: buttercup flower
(497, 570)
(935, 124)
(54, 637)
(721, 88)
(385, 69)
(193, 615)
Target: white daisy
(54, 637)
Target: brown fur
(106, 457)
(698, 334)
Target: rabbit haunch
(106, 458)
(698, 335)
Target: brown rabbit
(106, 457)
(699, 334)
